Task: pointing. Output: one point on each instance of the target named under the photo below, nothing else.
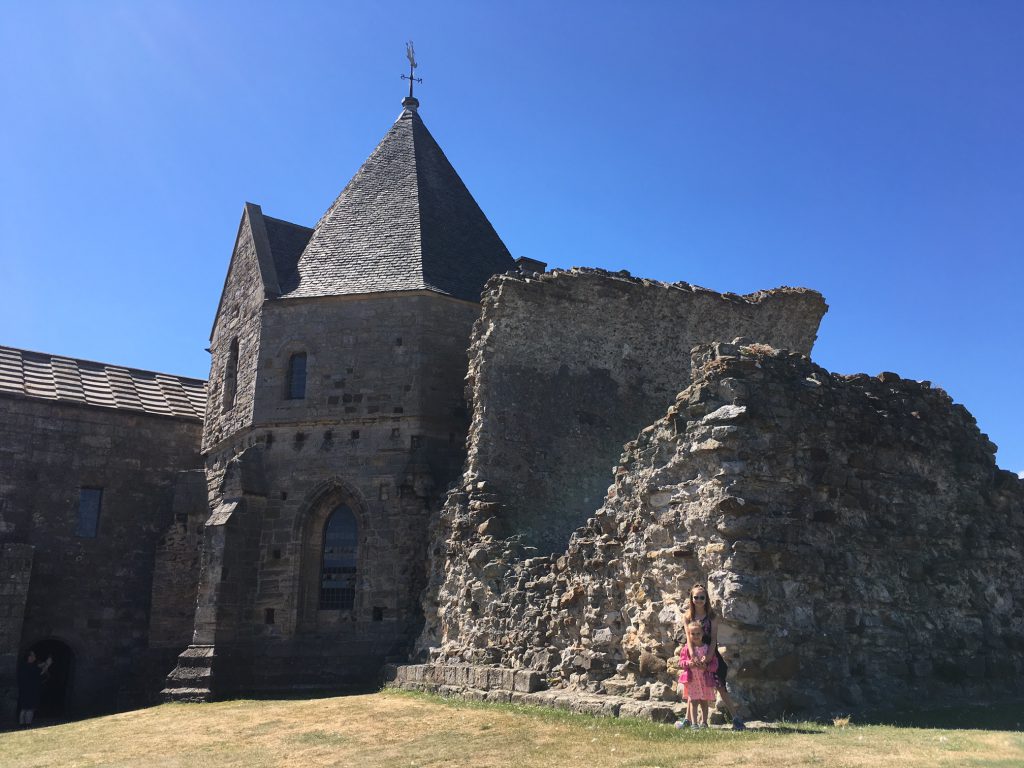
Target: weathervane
(410, 54)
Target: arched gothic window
(297, 376)
(231, 375)
(338, 569)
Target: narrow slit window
(297, 376)
(89, 502)
(338, 572)
(231, 376)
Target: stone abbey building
(409, 460)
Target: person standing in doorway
(30, 686)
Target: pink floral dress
(697, 684)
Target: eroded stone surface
(567, 366)
(857, 537)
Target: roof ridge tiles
(40, 375)
(80, 360)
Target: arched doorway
(57, 680)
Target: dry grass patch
(400, 729)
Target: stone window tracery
(338, 566)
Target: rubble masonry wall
(856, 535)
(565, 367)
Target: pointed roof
(404, 222)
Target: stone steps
(192, 677)
(186, 674)
(196, 655)
(191, 695)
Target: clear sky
(872, 150)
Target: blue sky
(871, 150)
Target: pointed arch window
(231, 375)
(338, 569)
(297, 376)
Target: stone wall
(176, 565)
(91, 594)
(859, 541)
(238, 321)
(15, 575)
(564, 368)
(567, 366)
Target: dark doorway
(57, 679)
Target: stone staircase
(191, 679)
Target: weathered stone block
(527, 681)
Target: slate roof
(404, 222)
(287, 241)
(51, 377)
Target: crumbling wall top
(565, 366)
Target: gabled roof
(41, 376)
(404, 222)
(253, 224)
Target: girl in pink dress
(697, 674)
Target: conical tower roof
(404, 222)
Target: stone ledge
(189, 695)
(461, 681)
(466, 676)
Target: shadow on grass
(786, 730)
(291, 694)
(298, 692)
(647, 729)
(1005, 716)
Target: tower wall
(382, 430)
(238, 322)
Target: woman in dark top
(30, 686)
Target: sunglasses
(699, 598)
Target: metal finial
(410, 54)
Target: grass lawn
(397, 729)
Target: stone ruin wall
(857, 536)
(860, 542)
(567, 366)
